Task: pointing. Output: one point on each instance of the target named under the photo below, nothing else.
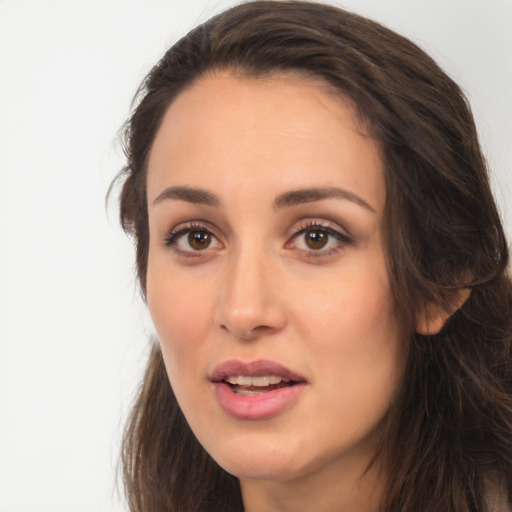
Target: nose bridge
(248, 303)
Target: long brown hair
(448, 435)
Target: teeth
(263, 380)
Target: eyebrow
(286, 200)
(189, 194)
(310, 195)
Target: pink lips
(258, 407)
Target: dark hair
(449, 432)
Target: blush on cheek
(179, 318)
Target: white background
(72, 335)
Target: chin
(245, 470)
(259, 462)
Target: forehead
(284, 130)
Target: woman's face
(267, 280)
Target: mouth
(246, 385)
(255, 390)
(260, 376)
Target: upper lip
(257, 368)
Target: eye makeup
(309, 239)
(316, 238)
(192, 239)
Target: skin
(259, 291)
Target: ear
(432, 319)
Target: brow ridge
(310, 195)
(189, 194)
(286, 200)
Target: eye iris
(316, 239)
(199, 240)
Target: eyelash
(173, 238)
(321, 226)
(183, 229)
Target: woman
(326, 270)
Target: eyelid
(182, 229)
(334, 230)
(327, 225)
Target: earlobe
(433, 317)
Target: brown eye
(199, 240)
(316, 239)
(190, 240)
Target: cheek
(357, 304)
(351, 326)
(182, 315)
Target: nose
(249, 305)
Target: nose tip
(248, 305)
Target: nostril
(248, 334)
(262, 329)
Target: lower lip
(257, 407)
